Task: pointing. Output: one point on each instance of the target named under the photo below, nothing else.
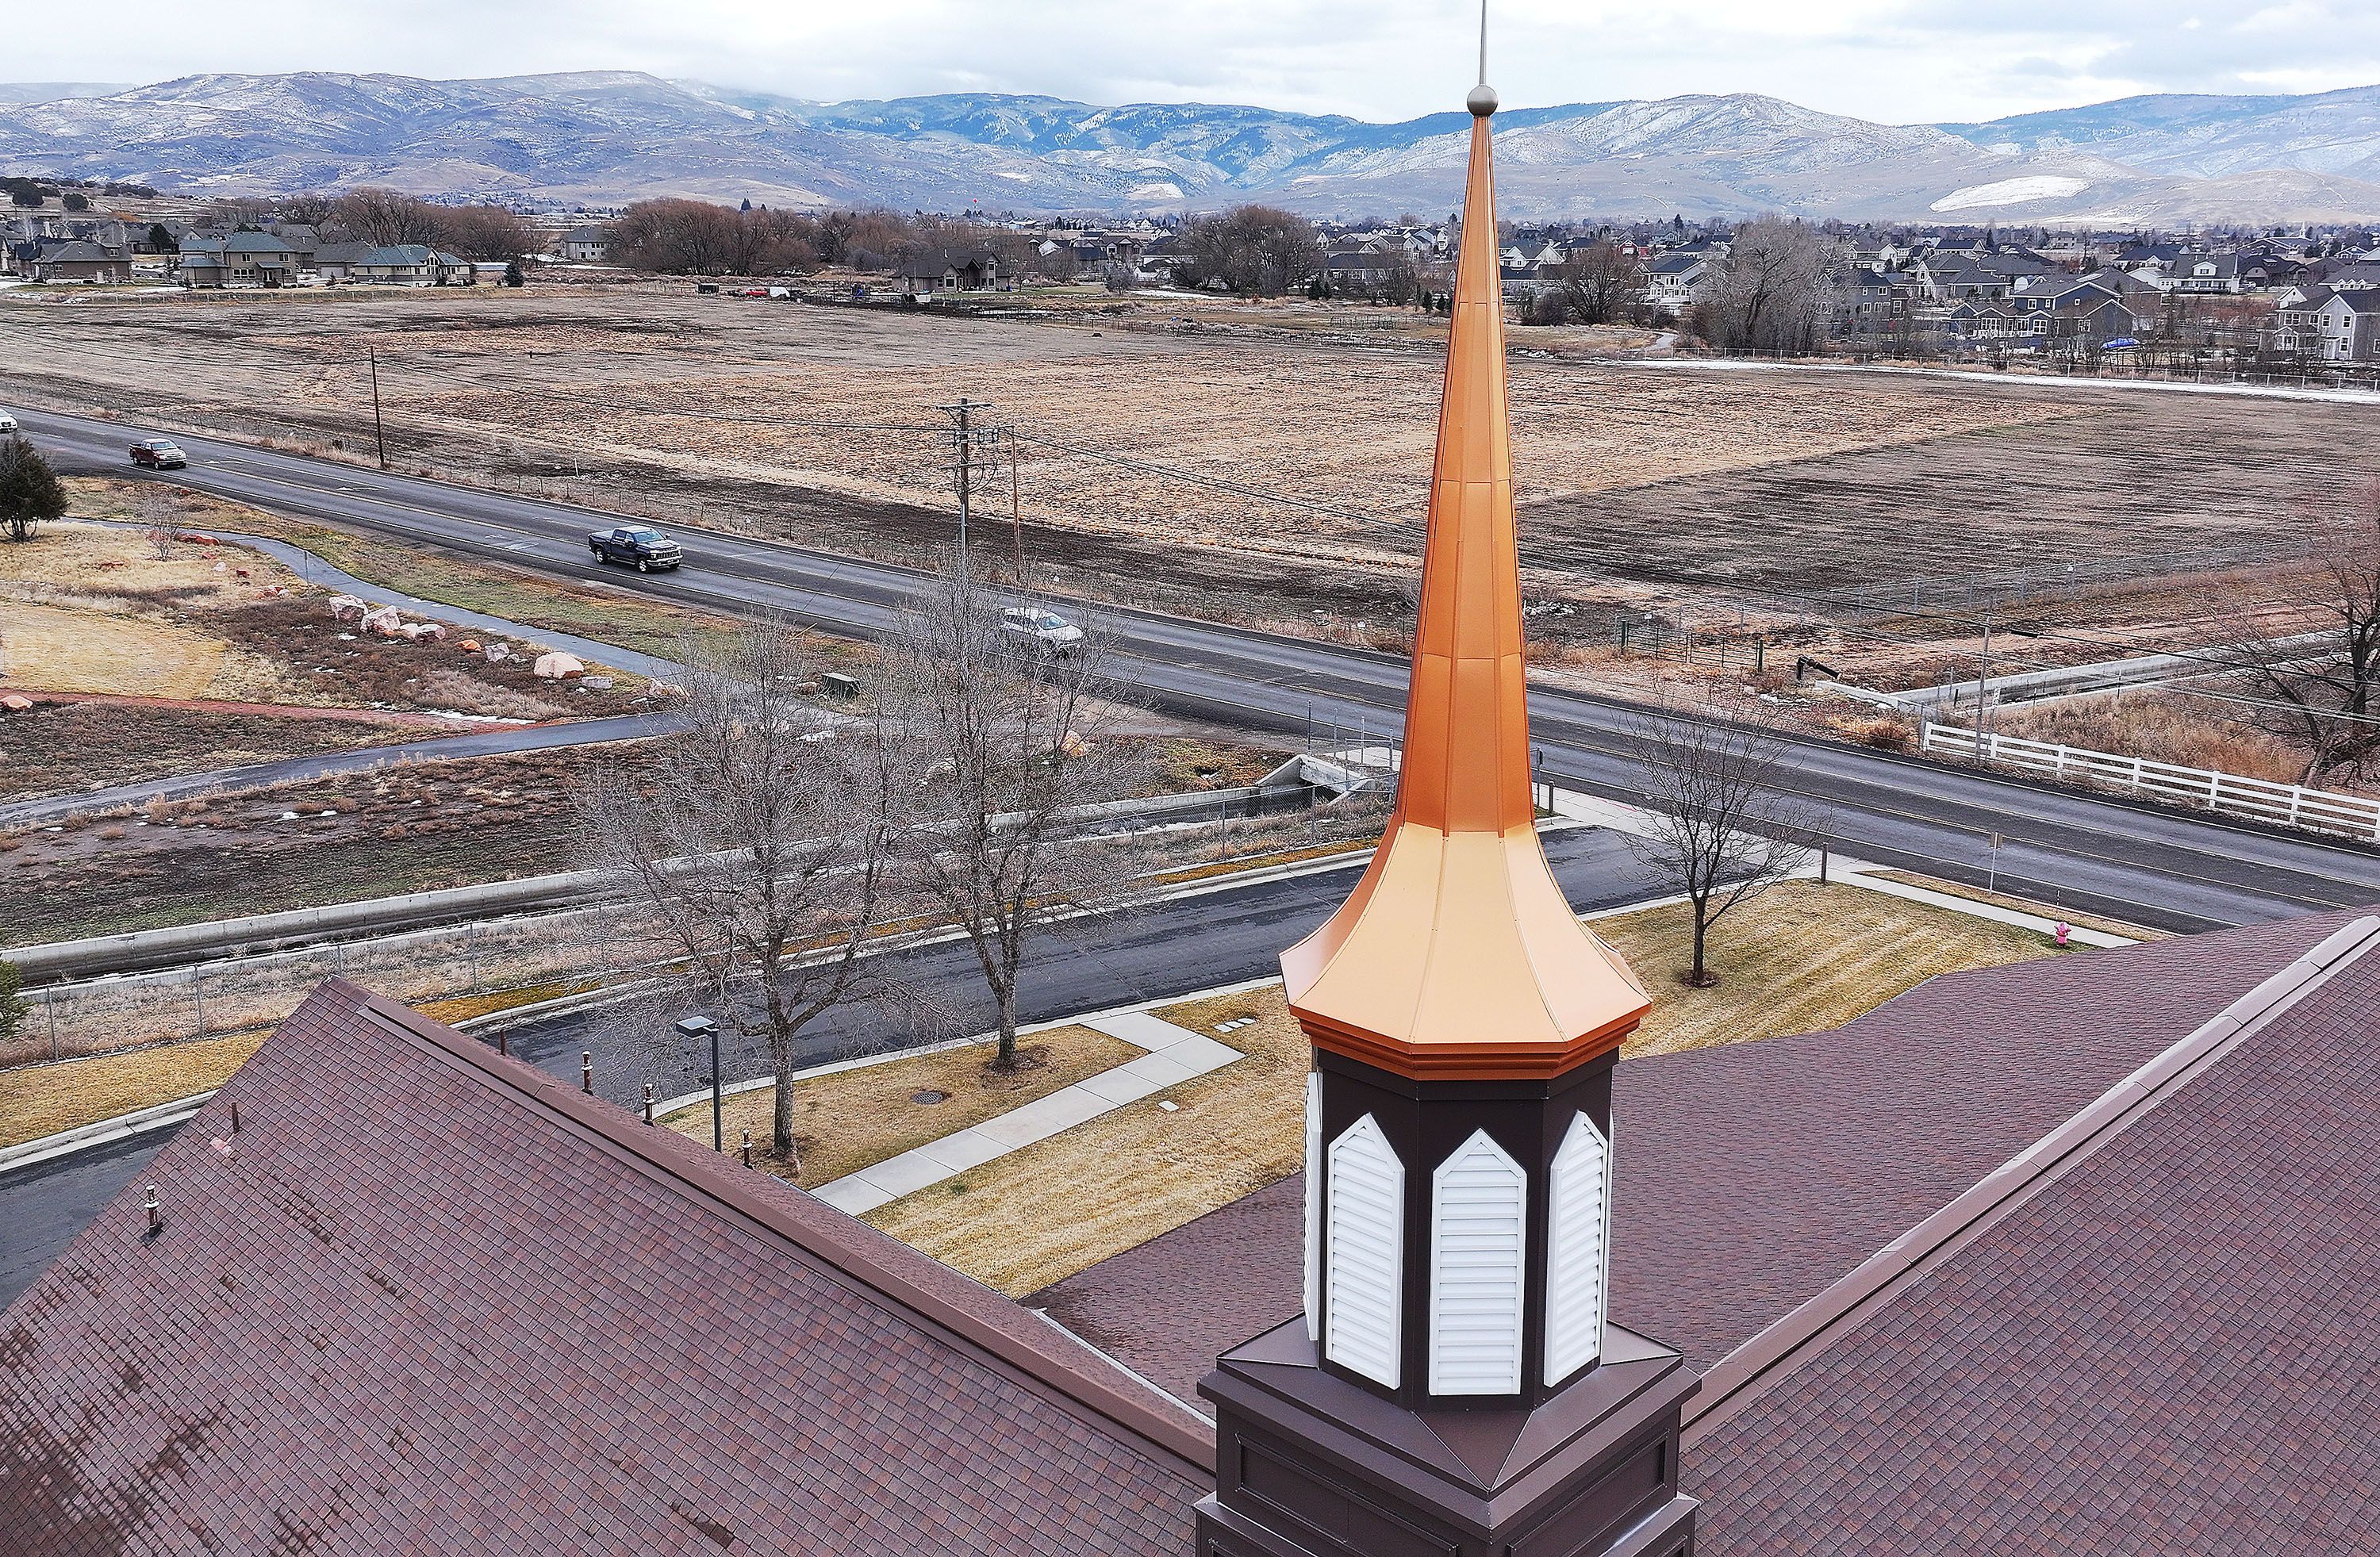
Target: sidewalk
(1174, 1055)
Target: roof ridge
(1747, 1373)
(1087, 1379)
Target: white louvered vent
(1478, 1231)
(1365, 1269)
(1578, 1228)
(1313, 1205)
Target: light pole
(694, 1030)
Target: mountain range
(606, 136)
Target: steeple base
(1308, 1464)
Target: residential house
(2085, 304)
(2360, 275)
(2199, 273)
(303, 239)
(2324, 324)
(80, 260)
(1952, 276)
(410, 265)
(943, 271)
(1678, 279)
(237, 259)
(337, 261)
(589, 245)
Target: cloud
(1900, 61)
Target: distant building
(1677, 279)
(79, 260)
(411, 264)
(236, 260)
(337, 261)
(589, 245)
(924, 275)
(2329, 326)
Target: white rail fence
(2259, 799)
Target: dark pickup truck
(645, 546)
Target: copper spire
(1457, 956)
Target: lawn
(1797, 959)
(1801, 957)
(38, 1099)
(854, 1118)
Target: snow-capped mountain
(2334, 133)
(609, 135)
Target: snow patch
(2013, 192)
(1163, 190)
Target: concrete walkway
(1174, 1055)
(1853, 873)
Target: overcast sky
(1901, 61)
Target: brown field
(1265, 462)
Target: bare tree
(485, 232)
(1721, 821)
(684, 237)
(758, 847)
(159, 513)
(1253, 249)
(1772, 290)
(1599, 280)
(314, 210)
(1118, 275)
(992, 742)
(2321, 685)
(386, 216)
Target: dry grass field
(796, 419)
(1801, 957)
(1262, 463)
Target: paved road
(2157, 868)
(43, 1207)
(1172, 948)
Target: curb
(102, 1132)
(164, 1116)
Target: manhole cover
(930, 1095)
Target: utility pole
(379, 435)
(968, 432)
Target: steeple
(1456, 1384)
(1457, 955)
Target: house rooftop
(2159, 1332)
(1750, 1177)
(427, 1299)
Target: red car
(159, 453)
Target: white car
(7, 422)
(1053, 634)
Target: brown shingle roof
(428, 1299)
(1752, 1177)
(2170, 1345)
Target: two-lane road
(2146, 864)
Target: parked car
(641, 544)
(7, 422)
(1052, 633)
(160, 453)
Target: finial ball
(1482, 100)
